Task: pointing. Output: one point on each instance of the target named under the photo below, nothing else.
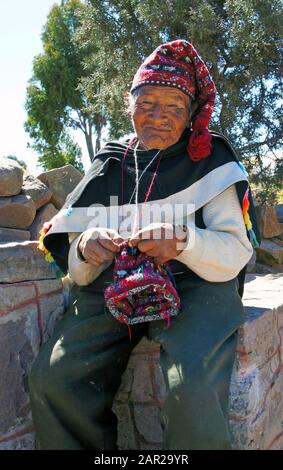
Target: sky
(21, 23)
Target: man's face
(160, 115)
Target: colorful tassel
(48, 256)
(247, 220)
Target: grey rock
(23, 261)
(61, 182)
(17, 351)
(279, 212)
(43, 215)
(13, 235)
(11, 177)
(38, 191)
(17, 211)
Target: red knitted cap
(177, 64)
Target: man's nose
(158, 112)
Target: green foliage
(54, 101)
(92, 50)
(16, 159)
(66, 152)
(240, 41)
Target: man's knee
(46, 374)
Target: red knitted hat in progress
(177, 64)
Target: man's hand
(98, 245)
(159, 241)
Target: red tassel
(199, 145)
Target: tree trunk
(89, 144)
(98, 136)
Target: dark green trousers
(77, 373)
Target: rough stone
(273, 410)
(269, 225)
(269, 253)
(17, 211)
(19, 342)
(61, 182)
(279, 212)
(147, 420)
(13, 235)
(12, 295)
(262, 269)
(142, 386)
(126, 432)
(43, 215)
(11, 177)
(38, 191)
(23, 261)
(26, 442)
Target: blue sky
(21, 23)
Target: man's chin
(160, 144)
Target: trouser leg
(197, 356)
(76, 376)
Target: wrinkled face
(160, 115)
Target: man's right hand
(98, 245)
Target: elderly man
(173, 160)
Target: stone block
(12, 295)
(43, 215)
(147, 420)
(19, 344)
(249, 388)
(23, 261)
(38, 191)
(8, 235)
(126, 432)
(142, 385)
(11, 177)
(17, 211)
(269, 253)
(61, 182)
(268, 222)
(25, 442)
(258, 339)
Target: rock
(281, 235)
(279, 212)
(17, 211)
(269, 253)
(26, 442)
(262, 269)
(269, 225)
(13, 235)
(37, 190)
(11, 177)
(43, 215)
(251, 263)
(19, 343)
(23, 261)
(61, 182)
(28, 313)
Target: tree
(55, 103)
(239, 39)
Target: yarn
(141, 291)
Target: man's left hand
(159, 241)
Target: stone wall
(32, 301)
(30, 306)
(27, 202)
(256, 395)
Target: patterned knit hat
(141, 291)
(177, 64)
